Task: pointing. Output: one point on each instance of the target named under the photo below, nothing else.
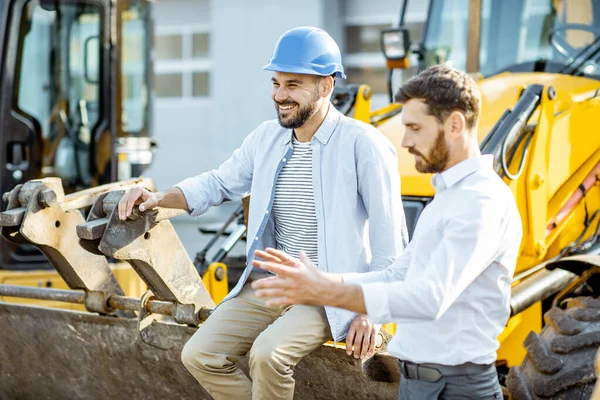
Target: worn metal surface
(184, 313)
(52, 229)
(44, 217)
(539, 286)
(150, 244)
(59, 354)
(10, 220)
(30, 292)
(86, 198)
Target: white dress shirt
(449, 292)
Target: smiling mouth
(285, 107)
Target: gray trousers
(482, 385)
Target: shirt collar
(326, 129)
(455, 174)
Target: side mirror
(91, 59)
(395, 44)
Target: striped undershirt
(294, 205)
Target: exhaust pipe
(537, 287)
(539, 283)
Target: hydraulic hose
(508, 128)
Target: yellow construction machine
(538, 70)
(538, 65)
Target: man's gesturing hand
(296, 281)
(301, 282)
(362, 337)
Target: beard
(303, 113)
(437, 159)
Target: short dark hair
(444, 90)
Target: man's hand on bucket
(362, 337)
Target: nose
(280, 94)
(407, 141)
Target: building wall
(199, 126)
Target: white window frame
(186, 66)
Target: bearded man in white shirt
(449, 292)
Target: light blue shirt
(449, 292)
(356, 186)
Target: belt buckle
(410, 370)
(436, 372)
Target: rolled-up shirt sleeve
(231, 181)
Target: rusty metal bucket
(59, 354)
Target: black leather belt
(434, 372)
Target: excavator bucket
(126, 347)
(60, 354)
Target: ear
(325, 86)
(456, 123)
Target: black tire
(560, 359)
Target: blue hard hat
(307, 50)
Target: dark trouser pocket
(414, 389)
(482, 385)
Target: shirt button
(256, 238)
(267, 212)
(284, 160)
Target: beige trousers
(275, 338)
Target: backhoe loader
(540, 83)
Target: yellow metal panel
(362, 104)
(560, 196)
(534, 243)
(40, 278)
(128, 279)
(568, 152)
(215, 281)
(518, 327)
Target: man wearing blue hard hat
(320, 182)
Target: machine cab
(75, 83)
